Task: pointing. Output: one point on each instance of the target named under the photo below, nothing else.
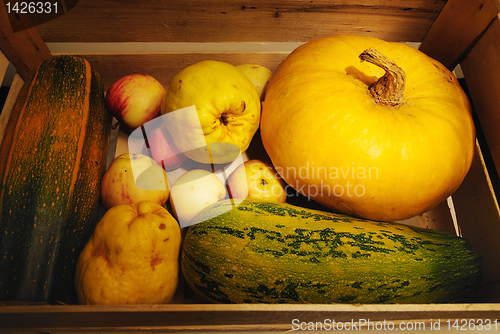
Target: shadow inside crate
(4, 90)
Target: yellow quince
(212, 110)
(131, 258)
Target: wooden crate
(162, 37)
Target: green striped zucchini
(263, 252)
(52, 159)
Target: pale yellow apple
(258, 75)
(192, 192)
(133, 178)
(256, 179)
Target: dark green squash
(263, 252)
(52, 159)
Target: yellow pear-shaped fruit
(131, 258)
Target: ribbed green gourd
(262, 252)
(52, 159)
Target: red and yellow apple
(135, 99)
(256, 179)
(133, 178)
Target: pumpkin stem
(389, 89)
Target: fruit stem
(389, 89)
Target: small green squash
(263, 252)
(52, 159)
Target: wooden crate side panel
(230, 21)
(478, 216)
(439, 218)
(476, 203)
(25, 49)
(163, 66)
(4, 63)
(481, 68)
(458, 25)
(15, 88)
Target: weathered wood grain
(457, 28)
(238, 21)
(163, 66)
(231, 318)
(15, 87)
(25, 49)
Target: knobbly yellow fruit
(132, 257)
(227, 111)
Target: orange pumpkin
(369, 128)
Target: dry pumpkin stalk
(389, 89)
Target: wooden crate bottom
(240, 318)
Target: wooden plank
(477, 207)
(481, 69)
(163, 66)
(456, 28)
(205, 318)
(25, 48)
(17, 84)
(478, 216)
(232, 20)
(4, 63)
